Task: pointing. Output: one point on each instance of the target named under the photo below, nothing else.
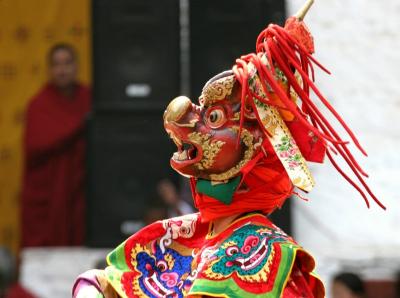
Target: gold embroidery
(227, 244)
(210, 149)
(247, 139)
(236, 116)
(134, 252)
(217, 90)
(170, 261)
(270, 123)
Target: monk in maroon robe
(53, 202)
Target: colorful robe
(180, 257)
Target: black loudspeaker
(128, 154)
(283, 217)
(136, 53)
(221, 31)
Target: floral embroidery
(279, 135)
(288, 150)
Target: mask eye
(215, 118)
(230, 251)
(162, 265)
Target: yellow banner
(28, 28)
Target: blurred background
(78, 177)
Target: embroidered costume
(244, 148)
(180, 257)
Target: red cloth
(312, 147)
(53, 183)
(18, 291)
(265, 187)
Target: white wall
(359, 42)
(51, 272)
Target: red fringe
(289, 55)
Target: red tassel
(291, 53)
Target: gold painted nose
(176, 109)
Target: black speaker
(223, 30)
(136, 53)
(283, 217)
(128, 155)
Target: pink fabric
(87, 279)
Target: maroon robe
(53, 202)
(18, 291)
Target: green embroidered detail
(228, 287)
(222, 192)
(243, 243)
(117, 258)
